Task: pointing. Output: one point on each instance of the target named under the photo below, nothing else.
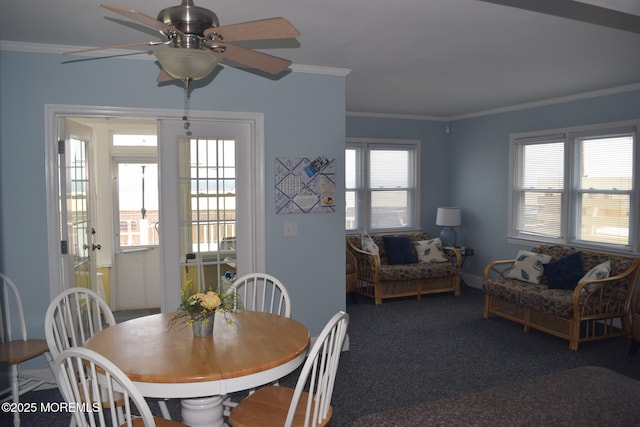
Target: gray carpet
(407, 352)
(588, 396)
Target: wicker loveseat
(597, 308)
(379, 280)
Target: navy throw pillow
(399, 251)
(565, 273)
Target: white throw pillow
(430, 251)
(528, 267)
(368, 245)
(600, 271)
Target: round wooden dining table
(256, 348)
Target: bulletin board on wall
(304, 185)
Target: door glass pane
(77, 187)
(138, 204)
(207, 176)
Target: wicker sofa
(379, 279)
(597, 308)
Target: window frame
(363, 191)
(571, 192)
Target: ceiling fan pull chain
(185, 116)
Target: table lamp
(448, 218)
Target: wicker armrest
(609, 294)
(498, 268)
(368, 264)
(453, 255)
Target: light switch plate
(290, 229)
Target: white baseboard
(472, 280)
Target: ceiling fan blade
(164, 76)
(264, 29)
(143, 19)
(114, 46)
(578, 11)
(254, 59)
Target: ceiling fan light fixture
(185, 63)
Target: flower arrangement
(201, 306)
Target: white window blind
(604, 188)
(578, 187)
(539, 187)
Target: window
(576, 186)
(380, 181)
(135, 173)
(138, 215)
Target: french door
(209, 213)
(77, 234)
(248, 224)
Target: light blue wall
(469, 167)
(304, 116)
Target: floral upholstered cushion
(418, 271)
(528, 267)
(555, 301)
(430, 250)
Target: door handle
(94, 246)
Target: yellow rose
(210, 301)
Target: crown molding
(397, 116)
(535, 104)
(551, 101)
(313, 69)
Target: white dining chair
(16, 347)
(258, 292)
(262, 292)
(91, 382)
(285, 406)
(74, 316)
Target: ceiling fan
(195, 42)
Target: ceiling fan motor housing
(189, 18)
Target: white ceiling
(430, 58)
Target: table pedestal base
(203, 412)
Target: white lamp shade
(187, 63)
(448, 217)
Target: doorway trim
(53, 112)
